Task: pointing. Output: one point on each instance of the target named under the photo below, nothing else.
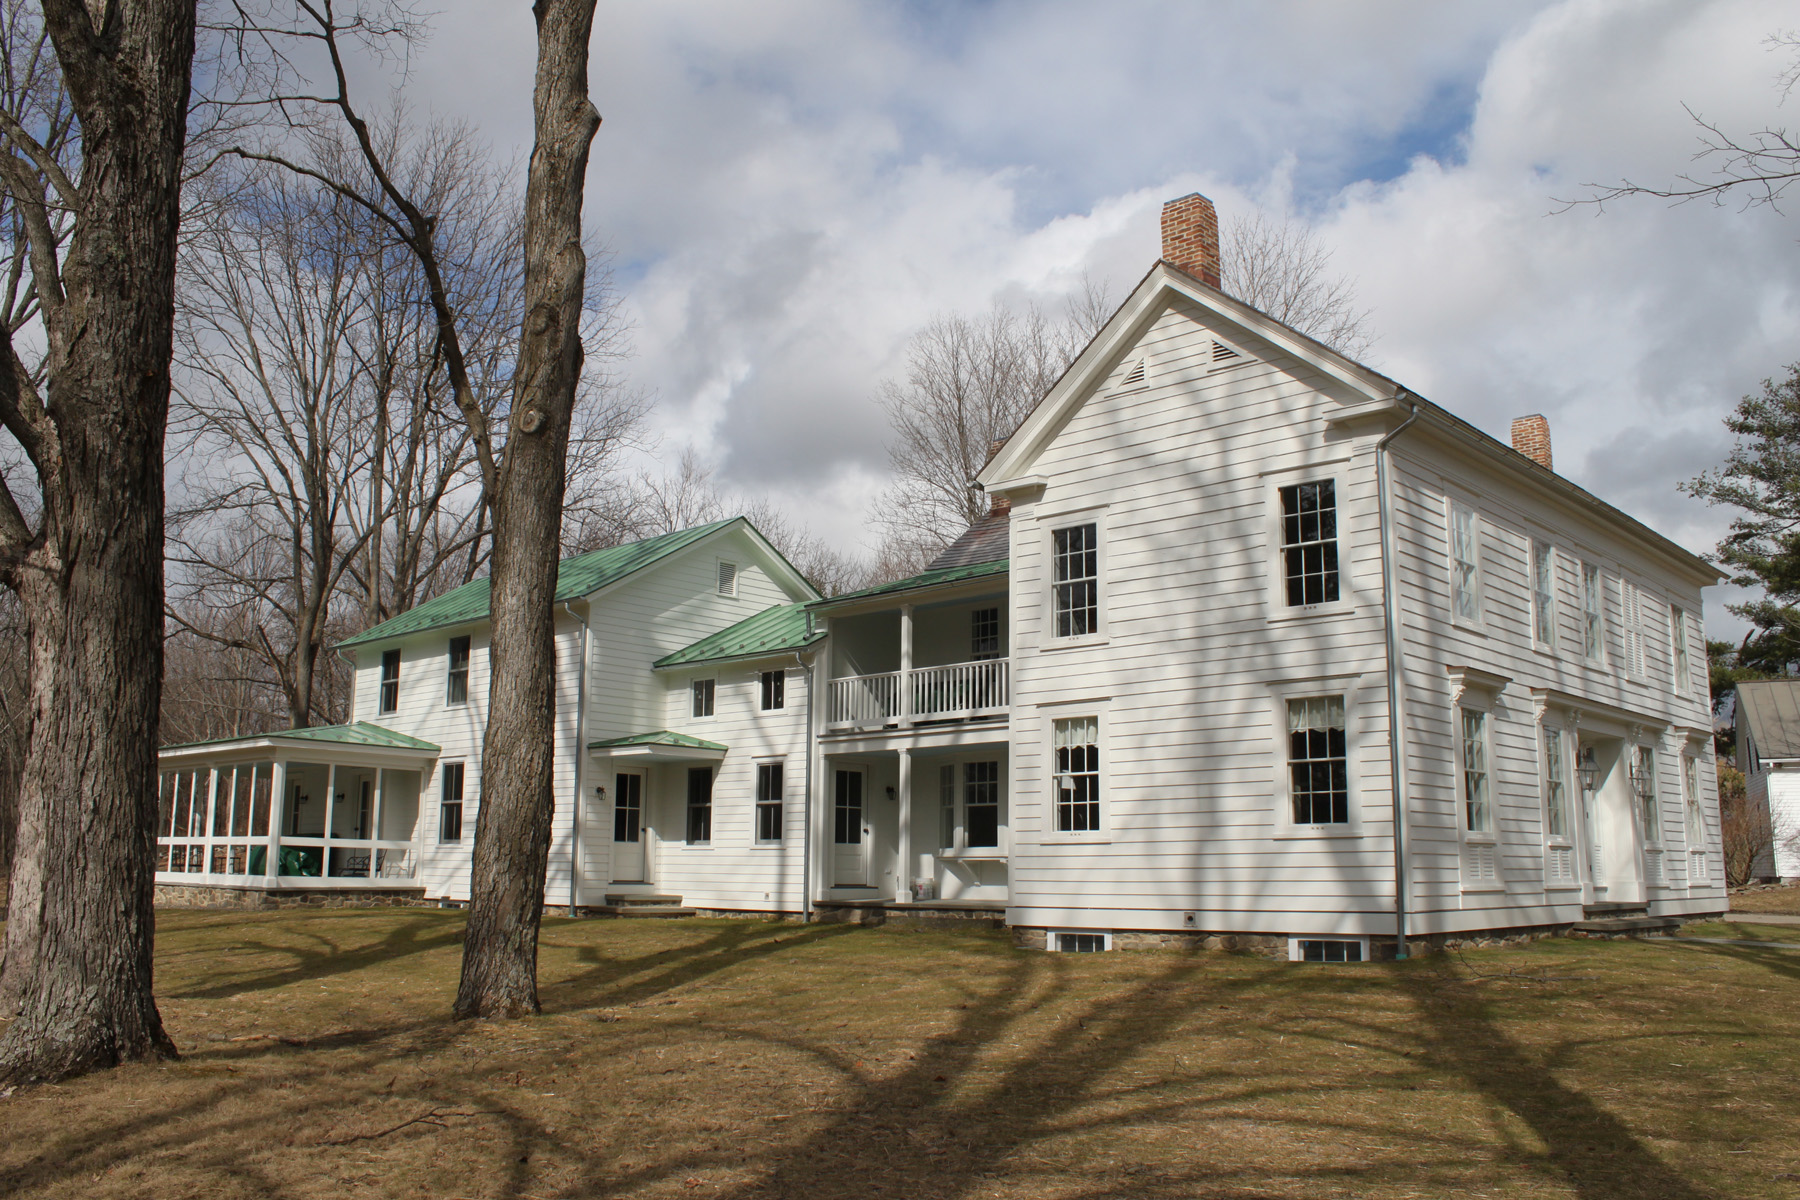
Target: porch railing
(950, 692)
(298, 861)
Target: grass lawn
(1769, 900)
(730, 1058)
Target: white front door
(628, 828)
(850, 829)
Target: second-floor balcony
(952, 692)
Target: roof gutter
(1390, 606)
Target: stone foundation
(194, 895)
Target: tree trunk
(512, 829)
(79, 938)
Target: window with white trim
(1465, 562)
(1593, 615)
(1075, 561)
(1690, 795)
(981, 805)
(1680, 662)
(456, 682)
(450, 802)
(984, 634)
(769, 793)
(1556, 785)
(774, 690)
(1328, 950)
(1077, 774)
(1543, 594)
(947, 808)
(390, 681)
(1478, 814)
(1318, 763)
(699, 805)
(705, 691)
(1309, 543)
(1643, 786)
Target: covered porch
(332, 807)
(922, 819)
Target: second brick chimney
(1190, 237)
(1531, 437)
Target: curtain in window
(1320, 713)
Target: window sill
(1303, 833)
(1484, 889)
(984, 854)
(693, 845)
(1465, 625)
(1076, 839)
(1561, 887)
(1073, 643)
(765, 845)
(1312, 612)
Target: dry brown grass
(1785, 899)
(714, 1058)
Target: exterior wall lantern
(1587, 768)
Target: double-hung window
(456, 683)
(1643, 783)
(981, 805)
(947, 808)
(1478, 814)
(1593, 615)
(1679, 659)
(1543, 594)
(984, 634)
(1556, 785)
(1309, 543)
(1077, 782)
(390, 681)
(1075, 555)
(1465, 562)
(1318, 764)
(699, 805)
(704, 692)
(774, 689)
(769, 791)
(1690, 794)
(450, 803)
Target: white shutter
(1631, 603)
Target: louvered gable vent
(1135, 376)
(1224, 356)
(727, 578)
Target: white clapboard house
(1768, 750)
(1229, 579)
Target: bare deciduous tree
(969, 382)
(1745, 832)
(1282, 268)
(91, 151)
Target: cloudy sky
(792, 189)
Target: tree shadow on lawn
(1591, 1150)
(318, 956)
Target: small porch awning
(359, 735)
(660, 746)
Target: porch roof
(359, 733)
(662, 737)
(925, 579)
(775, 630)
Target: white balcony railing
(951, 692)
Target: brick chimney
(1531, 437)
(1190, 237)
(997, 504)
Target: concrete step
(1639, 925)
(1615, 909)
(629, 900)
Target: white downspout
(1391, 622)
(580, 766)
(806, 836)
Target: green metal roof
(575, 577)
(361, 733)
(771, 631)
(661, 737)
(928, 579)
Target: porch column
(904, 883)
(906, 657)
(330, 803)
(374, 831)
(277, 814)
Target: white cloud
(793, 188)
